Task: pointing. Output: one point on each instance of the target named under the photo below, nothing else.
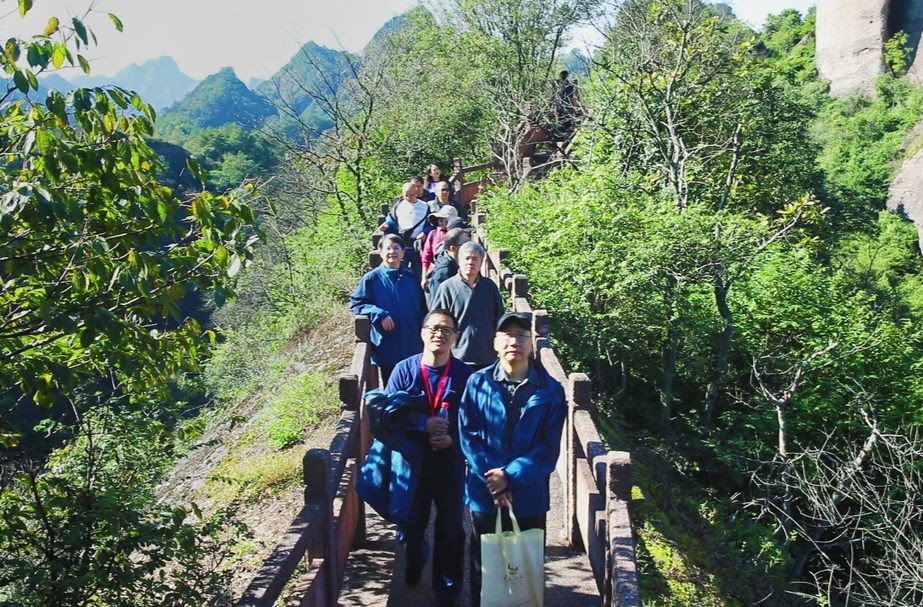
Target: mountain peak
(159, 81)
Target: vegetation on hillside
(725, 271)
(714, 253)
(218, 100)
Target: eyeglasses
(518, 337)
(444, 331)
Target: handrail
(597, 483)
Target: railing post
(622, 586)
(362, 327)
(580, 395)
(520, 285)
(317, 489)
(541, 329)
(348, 388)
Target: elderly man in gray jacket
(475, 301)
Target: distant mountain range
(159, 81)
(285, 103)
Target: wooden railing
(597, 482)
(332, 521)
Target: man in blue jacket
(393, 300)
(510, 423)
(424, 465)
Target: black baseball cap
(520, 318)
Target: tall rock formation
(850, 40)
(911, 21)
(850, 43)
(905, 196)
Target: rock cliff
(850, 43)
(905, 196)
(851, 35)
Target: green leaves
(24, 7)
(117, 251)
(116, 22)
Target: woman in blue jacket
(394, 302)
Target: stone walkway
(375, 575)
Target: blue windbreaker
(385, 292)
(388, 477)
(532, 452)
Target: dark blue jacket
(388, 478)
(444, 268)
(396, 293)
(531, 454)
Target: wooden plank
(521, 304)
(599, 549)
(586, 505)
(622, 586)
(341, 445)
(553, 366)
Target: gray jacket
(477, 309)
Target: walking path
(375, 575)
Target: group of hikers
(468, 419)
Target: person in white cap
(439, 220)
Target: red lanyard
(440, 389)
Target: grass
(263, 464)
(301, 402)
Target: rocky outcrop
(850, 40)
(911, 21)
(905, 196)
(850, 43)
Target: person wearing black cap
(510, 423)
(445, 265)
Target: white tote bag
(513, 567)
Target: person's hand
(387, 324)
(436, 425)
(505, 500)
(383, 227)
(425, 284)
(497, 481)
(442, 441)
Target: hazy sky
(255, 37)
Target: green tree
(95, 258)
(514, 47)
